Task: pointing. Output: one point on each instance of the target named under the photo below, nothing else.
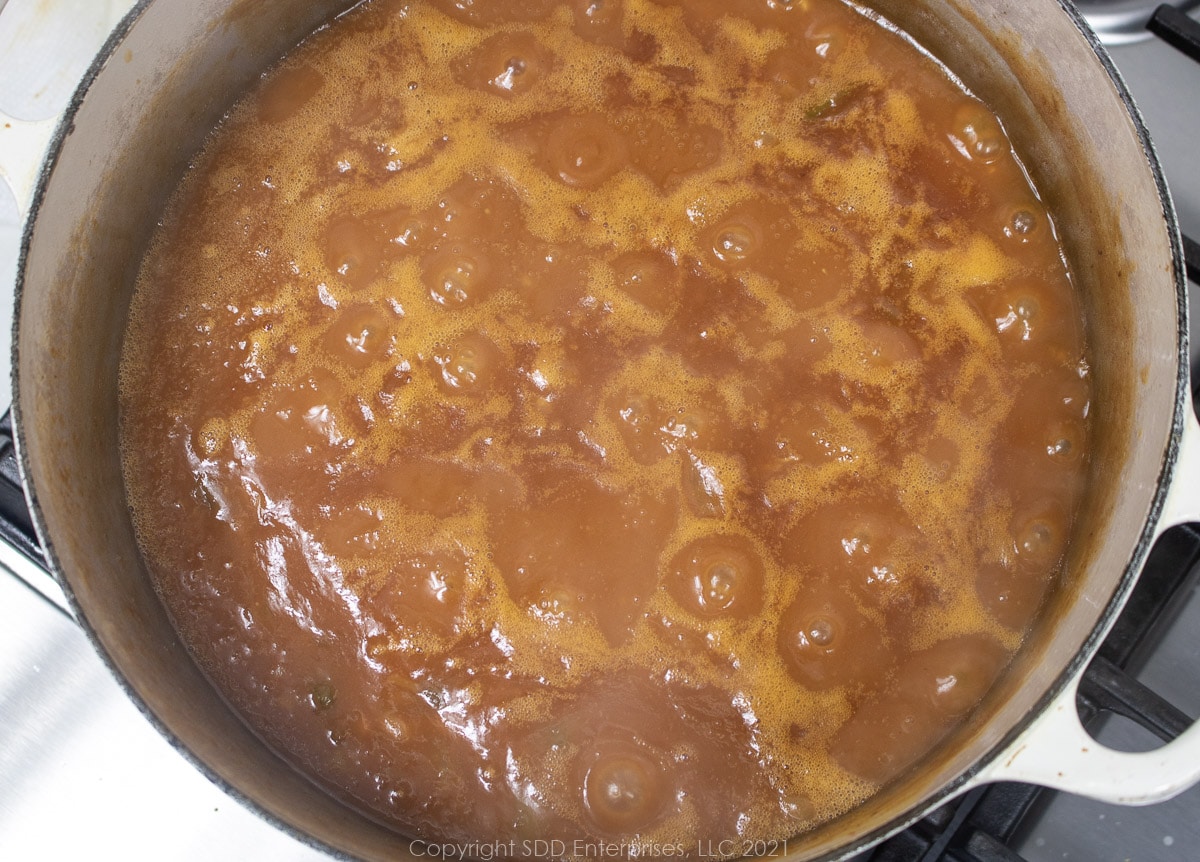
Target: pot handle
(61, 38)
(23, 145)
(1056, 751)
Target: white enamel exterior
(1056, 751)
(23, 146)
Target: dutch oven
(94, 184)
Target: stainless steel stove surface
(84, 775)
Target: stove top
(1119, 22)
(86, 776)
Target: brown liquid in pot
(633, 421)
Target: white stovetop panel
(83, 775)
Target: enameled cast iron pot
(95, 184)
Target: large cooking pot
(172, 69)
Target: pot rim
(962, 782)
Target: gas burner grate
(1119, 22)
(1177, 29)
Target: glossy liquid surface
(633, 421)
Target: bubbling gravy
(627, 420)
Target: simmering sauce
(609, 420)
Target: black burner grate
(1121, 21)
(1179, 31)
(16, 527)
